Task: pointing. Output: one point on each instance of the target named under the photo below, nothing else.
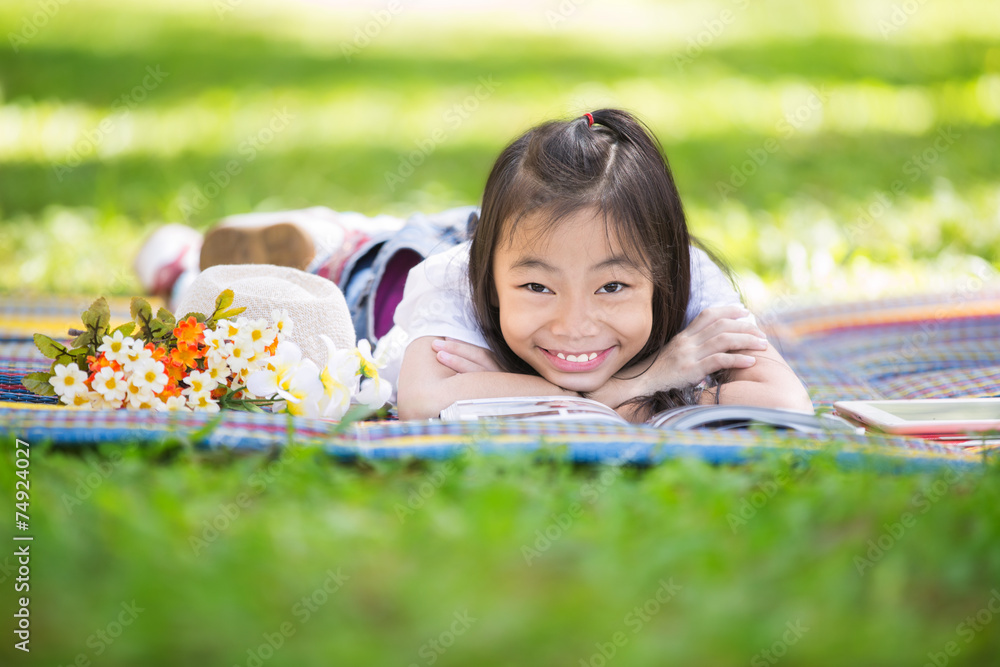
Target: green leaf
(49, 347)
(126, 329)
(38, 383)
(223, 301)
(65, 359)
(98, 316)
(198, 317)
(142, 313)
(165, 316)
(140, 309)
(84, 340)
(229, 314)
(160, 329)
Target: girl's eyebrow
(531, 262)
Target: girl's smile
(572, 305)
(569, 362)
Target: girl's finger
(713, 314)
(478, 355)
(724, 327)
(733, 342)
(458, 347)
(457, 363)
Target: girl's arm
(769, 383)
(426, 386)
(717, 339)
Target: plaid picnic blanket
(930, 346)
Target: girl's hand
(463, 357)
(710, 343)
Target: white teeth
(577, 358)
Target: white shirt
(437, 302)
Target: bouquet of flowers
(204, 363)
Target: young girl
(580, 279)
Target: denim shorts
(373, 277)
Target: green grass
(794, 227)
(548, 558)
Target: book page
(544, 408)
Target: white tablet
(926, 416)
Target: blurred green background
(787, 123)
(830, 150)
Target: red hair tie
(590, 119)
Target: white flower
(307, 390)
(202, 402)
(199, 382)
(143, 399)
(110, 384)
(149, 375)
(374, 390)
(171, 404)
(136, 353)
(237, 356)
(340, 380)
(217, 368)
(131, 387)
(116, 347)
(227, 329)
(258, 334)
(81, 399)
(218, 357)
(280, 373)
(99, 402)
(282, 323)
(276, 374)
(241, 376)
(215, 338)
(68, 380)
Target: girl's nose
(574, 320)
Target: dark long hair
(615, 166)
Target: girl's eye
(611, 288)
(536, 288)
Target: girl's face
(572, 304)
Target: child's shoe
(277, 243)
(168, 252)
(301, 239)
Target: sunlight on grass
(780, 131)
(222, 121)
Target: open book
(719, 417)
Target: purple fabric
(390, 288)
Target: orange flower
(101, 361)
(189, 332)
(172, 388)
(158, 352)
(187, 354)
(175, 371)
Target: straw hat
(315, 305)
